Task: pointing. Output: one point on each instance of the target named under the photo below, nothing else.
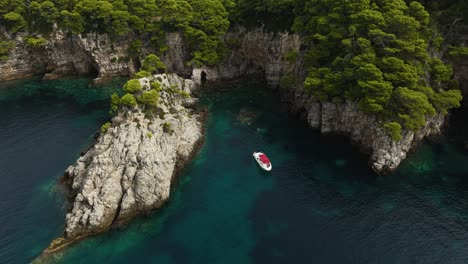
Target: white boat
(262, 160)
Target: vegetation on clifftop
(379, 53)
(203, 22)
(376, 53)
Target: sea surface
(320, 204)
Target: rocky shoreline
(254, 51)
(132, 165)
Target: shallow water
(320, 204)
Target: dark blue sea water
(320, 204)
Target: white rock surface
(130, 168)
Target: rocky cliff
(132, 165)
(253, 52)
(364, 130)
(261, 52)
(62, 55)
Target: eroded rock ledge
(132, 165)
(363, 129)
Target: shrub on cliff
(35, 42)
(142, 74)
(156, 86)
(153, 64)
(5, 47)
(105, 127)
(128, 100)
(394, 129)
(132, 86)
(287, 81)
(115, 102)
(14, 21)
(149, 99)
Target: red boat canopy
(264, 159)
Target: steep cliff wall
(364, 130)
(63, 55)
(131, 167)
(261, 52)
(254, 51)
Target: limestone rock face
(255, 51)
(64, 55)
(22, 62)
(363, 129)
(132, 165)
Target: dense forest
(387, 55)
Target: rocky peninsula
(132, 165)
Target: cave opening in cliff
(94, 71)
(203, 77)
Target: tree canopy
(376, 53)
(203, 22)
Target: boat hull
(266, 167)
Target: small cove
(321, 203)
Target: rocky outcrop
(363, 129)
(90, 54)
(132, 165)
(254, 51)
(258, 51)
(22, 62)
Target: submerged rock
(132, 165)
(246, 116)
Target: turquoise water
(320, 204)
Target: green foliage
(132, 86)
(149, 99)
(273, 15)
(287, 81)
(35, 42)
(5, 47)
(149, 134)
(203, 22)
(203, 25)
(72, 21)
(445, 100)
(14, 21)
(458, 52)
(394, 129)
(105, 127)
(291, 56)
(135, 48)
(142, 74)
(377, 55)
(152, 64)
(156, 86)
(115, 102)
(184, 94)
(128, 100)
